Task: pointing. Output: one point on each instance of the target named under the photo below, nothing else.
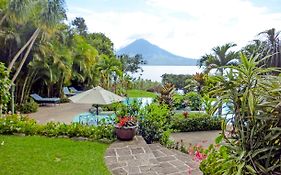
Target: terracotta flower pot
(125, 133)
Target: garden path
(138, 158)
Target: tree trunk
(25, 56)
(3, 19)
(34, 35)
(23, 87)
(1, 110)
(13, 98)
(220, 103)
(29, 85)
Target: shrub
(219, 161)
(254, 141)
(64, 100)
(190, 115)
(194, 101)
(18, 124)
(179, 101)
(28, 107)
(195, 122)
(21, 124)
(154, 120)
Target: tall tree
(221, 56)
(49, 12)
(131, 64)
(80, 26)
(273, 46)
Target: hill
(155, 55)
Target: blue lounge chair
(67, 92)
(42, 100)
(72, 89)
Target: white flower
(2, 143)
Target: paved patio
(64, 112)
(138, 158)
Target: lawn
(42, 155)
(140, 93)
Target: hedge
(196, 124)
(20, 124)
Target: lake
(154, 72)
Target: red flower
(126, 121)
(199, 156)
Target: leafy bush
(194, 101)
(154, 120)
(253, 142)
(28, 107)
(219, 161)
(191, 115)
(195, 122)
(21, 124)
(166, 95)
(64, 100)
(111, 107)
(18, 124)
(4, 87)
(179, 101)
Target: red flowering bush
(126, 121)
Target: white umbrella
(96, 95)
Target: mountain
(154, 55)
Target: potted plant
(126, 128)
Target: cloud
(186, 28)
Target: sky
(189, 28)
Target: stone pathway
(138, 158)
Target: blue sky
(188, 28)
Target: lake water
(154, 72)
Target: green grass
(140, 93)
(42, 155)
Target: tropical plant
(166, 94)
(194, 101)
(49, 13)
(273, 44)
(254, 141)
(110, 69)
(4, 87)
(154, 119)
(221, 56)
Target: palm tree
(49, 14)
(221, 56)
(109, 68)
(273, 46)
(85, 59)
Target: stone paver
(138, 158)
